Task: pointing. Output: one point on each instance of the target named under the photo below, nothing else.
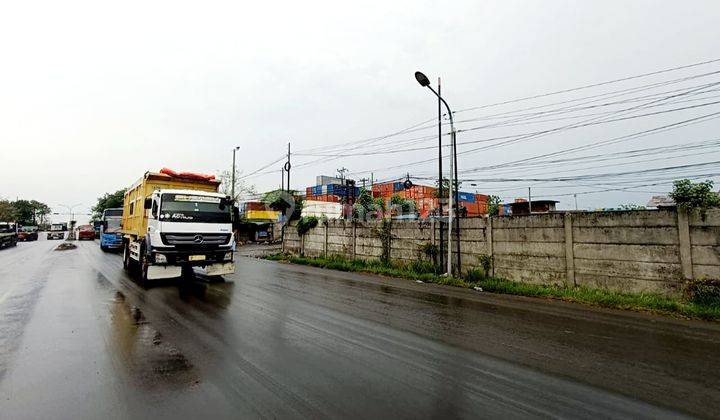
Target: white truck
(173, 222)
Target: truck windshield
(194, 208)
(112, 224)
(56, 227)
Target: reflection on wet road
(80, 339)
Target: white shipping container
(322, 208)
(327, 180)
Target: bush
(305, 224)
(423, 267)
(475, 275)
(703, 292)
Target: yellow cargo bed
(135, 217)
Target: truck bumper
(220, 269)
(156, 272)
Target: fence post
(354, 239)
(325, 248)
(569, 251)
(489, 239)
(302, 245)
(684, 242)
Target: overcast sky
(93, 94)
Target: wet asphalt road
(79, 339)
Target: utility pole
(287, 168)
(363, 180)
(440, 178)
(232, 185)
(576, 206)
(282, 182)
(530, 199)
(342, 171)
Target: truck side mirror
(148, 203)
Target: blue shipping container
(398, 186)
(317, 190)
(466, 196)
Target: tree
(446, 186)
(241, 188)
(691, 196)
(494, 205)
(107, 201)
(42, 210)
(280, 200)
(365, 204)
(403, 204)
(7, 211)
(24, 212)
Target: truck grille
(195, 238)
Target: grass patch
(428, 272)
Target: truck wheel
(103, 248)
(126, 256)
(143, 269)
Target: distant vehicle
(57, 231)
(86, 232)
(189, 224)
(110, 236)
(98, 226)
(28, 233)
(8, 234)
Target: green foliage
(445, 187)
(631, 206)
(486, 262)
(305, 224)
(430, 250)
(494, 205)
(475, 275)
(380, 204)
(7, 211)
(24, 212)
(365, 204)
(703, 292)
(385, 235)
(107, 201)
(690, 195)
(423, 267)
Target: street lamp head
(237, 147)
(422, 79)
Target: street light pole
(232, 186)
(425, 82)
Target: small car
(86, 232)
(28, 233)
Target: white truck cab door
(153, 221)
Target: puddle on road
(149, 359)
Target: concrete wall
(631, 251)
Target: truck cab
(8, 234)
(110, 236)
(173, 222)
(57, 231)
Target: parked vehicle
(57, 231)
(110, 235)
(28, 233)
(86, 232)
(188, 225)
(8, 234)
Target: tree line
(24, 212)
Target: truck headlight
(160, 258)
(228, 256)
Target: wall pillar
(569, 251)
(684, 242)
(354, 239)
(325, 247)
(489, 239)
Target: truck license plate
(197, 258)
